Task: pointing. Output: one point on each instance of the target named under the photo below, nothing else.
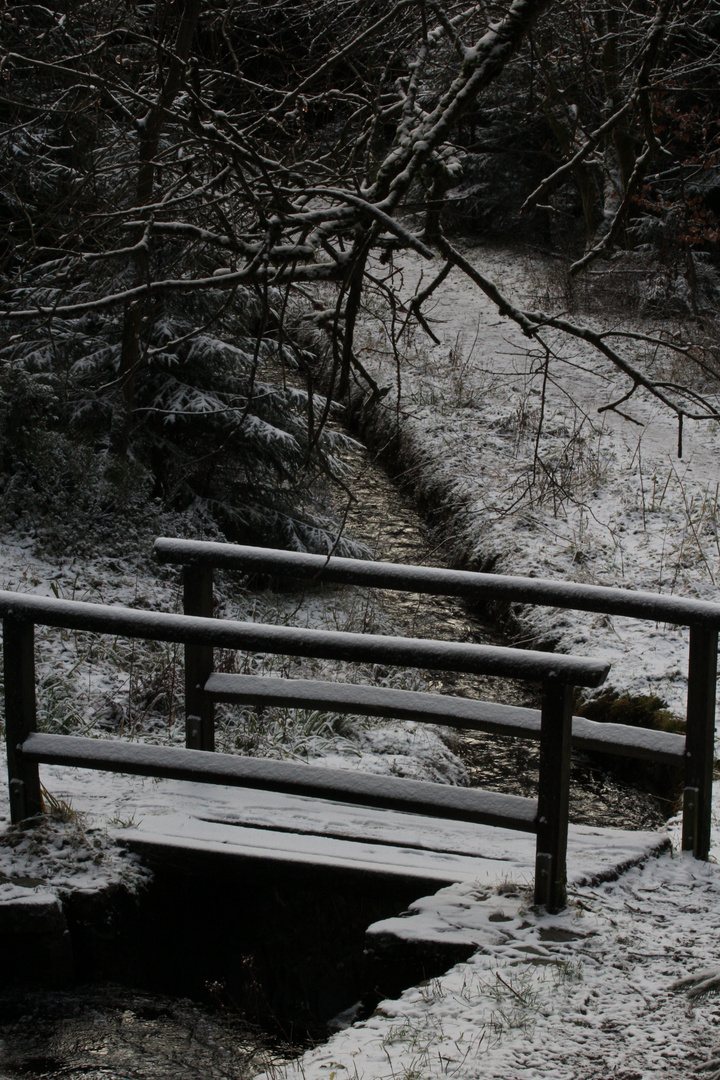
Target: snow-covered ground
(586, 995)
(590, 992)
(594, 498)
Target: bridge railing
(694, 752)
(547, 817)
(200, 633)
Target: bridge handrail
(201, 634)
(295, 641)
(200, 557)
(656, 607)
(26, 748)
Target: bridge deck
(168, 817)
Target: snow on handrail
(295, 778)
(446, 709)
(678, 610)
(324, 644)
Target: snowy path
(593, 498)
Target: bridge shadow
(282, 945)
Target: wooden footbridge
(553, 724)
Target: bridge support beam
(20, 717)
(553, 796)
(700, 740)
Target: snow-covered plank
(261, 690)
(414, 847)
(661, 746)
(295, 641)
(490, 716)
(413, 796)
(301, 832)
(439, 581)
(256, 824)
(182, 833)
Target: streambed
(113, 1033)
(385, 518)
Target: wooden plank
(553, 797)
(278, 822)
(700, 753)
(660, 746)
(366, 700)
(341, 785)
(20, 718)
(295, 641)
(199, 708)
(438, 581)
(460, 712)
(243, 846)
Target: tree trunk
(138, 315)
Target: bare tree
(189, 162)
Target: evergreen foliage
(207, 407)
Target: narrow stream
(113, 1033)
(385, 518)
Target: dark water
(384, 517)
(112, 1033)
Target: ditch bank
(401, 511)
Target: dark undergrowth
(645, 711)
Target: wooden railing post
(20, 719)
(199, 709)
(553, 796)
(700, 740)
